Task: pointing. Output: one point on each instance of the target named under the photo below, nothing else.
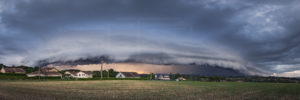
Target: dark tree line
(106, 73)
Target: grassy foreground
(138, 89)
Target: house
(13, 70)
(180, 79)
(80, 74)
(162, 76)
(128, 75)
(49, 69)
(46, 72)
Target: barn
(128, 75)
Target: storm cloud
(240, 34)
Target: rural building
(180, 79)
(128, 75)
(162, 76)
(46, 72)
(80, 74)
(13, 70)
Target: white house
(180, 79)
(80, 74)
(128, 75)
(162, 76)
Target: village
(53, 73)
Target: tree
(215, 78)
(26, 68)
(98, 73)
(2, 65)
(172, 76)
(112, 73)
(177, 75)
(151, 76)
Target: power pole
(101, 67)
(39, 72)
(108, 73)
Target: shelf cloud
(239, 34)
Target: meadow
(146, 90)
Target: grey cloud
(261, 32)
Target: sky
(258, 36)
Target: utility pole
(108, 69)
(39, 72)
(108, 73)
(101, 67)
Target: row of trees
(105, 73)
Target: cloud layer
(240, 34)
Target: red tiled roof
(14, 70)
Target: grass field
(139, 89)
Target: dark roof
(52, 73)
(72, 72)
(86, 72)
(130, 74)
(14, 70)
(48, 69)
(46, 73)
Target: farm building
(80, 74)
(162, 76)
(13, 70)
(128, 75)
(46, 72)
(180, 79)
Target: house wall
(54, 75)
(53, 70)
(71, 75)
(83, 75)
(120, 75)
(162, 77)
(34, 75)
(2, 70)
(19, 72)
(80, 75)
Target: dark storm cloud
(37, 15)
(263, 33)
(46, 15)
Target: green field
(139, 89)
